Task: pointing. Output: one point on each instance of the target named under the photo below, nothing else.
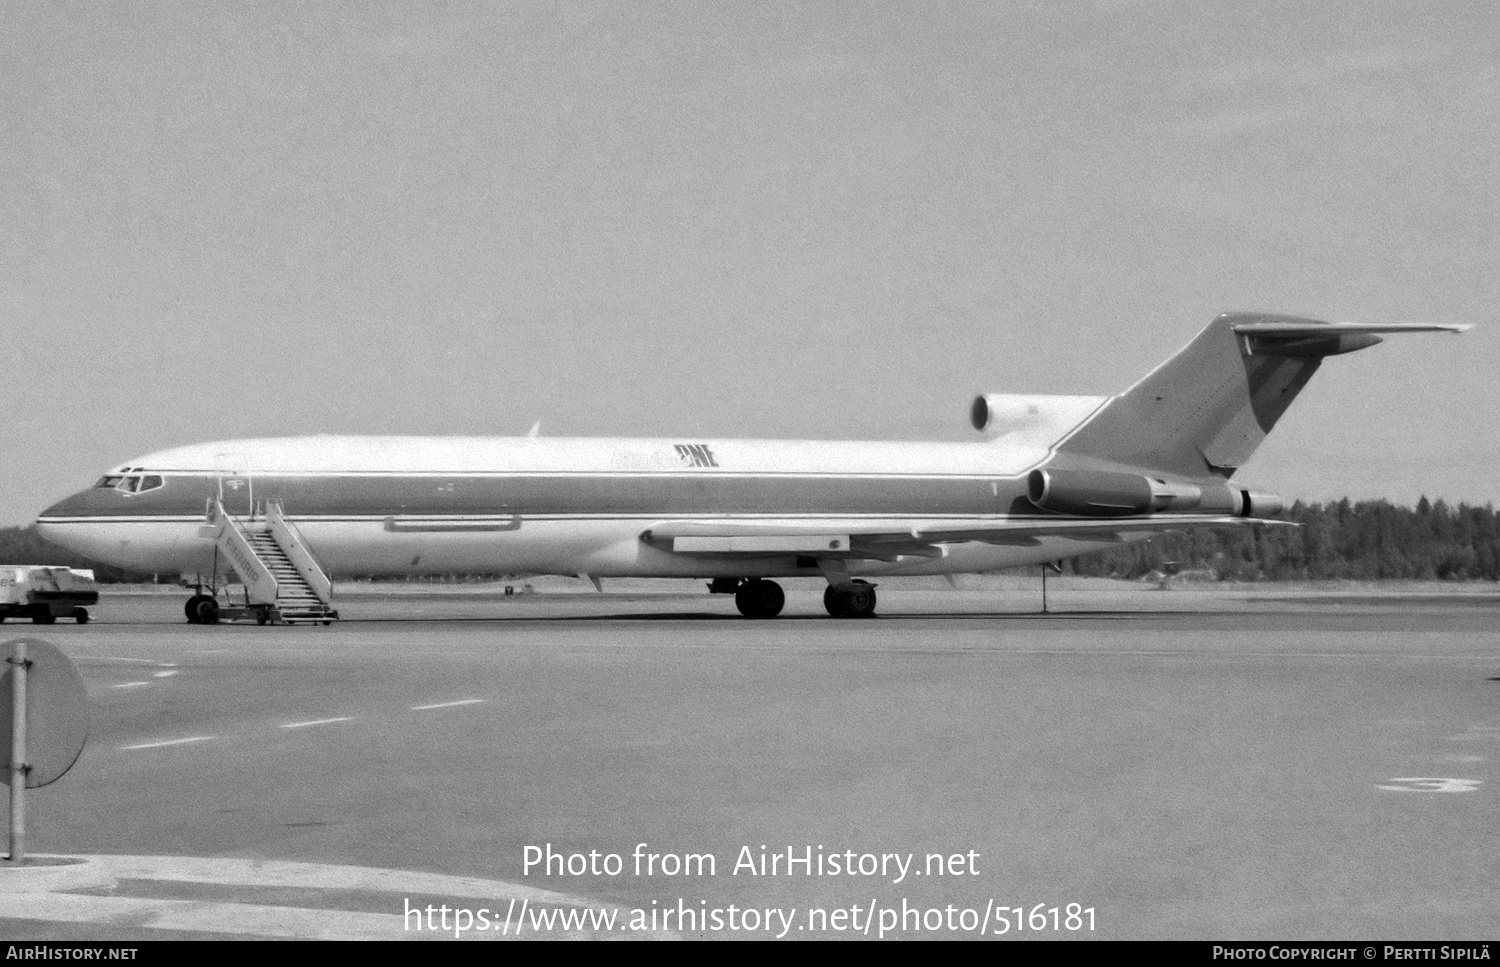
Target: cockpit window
(134, 483)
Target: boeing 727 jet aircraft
(1056, 476)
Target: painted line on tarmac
(1114, 652)
(167, 742)
(1476, 733)
(143, 682)
(231, 871)
(1432, 784)
(303, 725)
(302, 922)
(193, 915)
(462, 701)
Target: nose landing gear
(202, 609)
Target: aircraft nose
(77, 523)
(72, 505)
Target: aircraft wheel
(190, 608)
(759, 599)
(81, 615)
(862, 600)
(207, 611)
(856, 601)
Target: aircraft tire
(208, 610)
(853, 602)
(862, 600)
(190, 607)
(760, 599)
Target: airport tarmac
(1246, 763)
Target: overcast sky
(821, 220)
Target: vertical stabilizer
(1205, 410)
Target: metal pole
(18, 755)
(1044, 589)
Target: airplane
(1054, 477)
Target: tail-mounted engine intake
(1039, 418)
(1099, 494)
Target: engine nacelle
(1254, 504)
(1100, 494)
(1090, 494)
(1044, 418)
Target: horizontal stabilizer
(1286, 336)
(1309, 328)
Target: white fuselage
(404, 505)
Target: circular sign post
(44, 721)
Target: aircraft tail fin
(1205, 410)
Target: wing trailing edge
(884, 539)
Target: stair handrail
(260, 584)
(292, 543)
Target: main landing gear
(759, 598)
(853, 600)
(204, 609)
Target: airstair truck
(44, 593)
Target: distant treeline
(1370, 540)
(23, 545)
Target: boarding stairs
(283, 581)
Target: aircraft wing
(888, 539)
